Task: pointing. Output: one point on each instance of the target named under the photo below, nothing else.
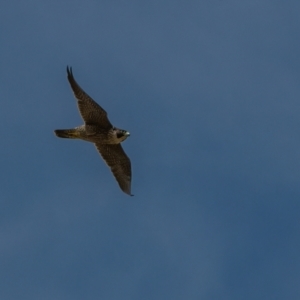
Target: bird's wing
(119, 163)
(91, 112)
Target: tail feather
(67, 133)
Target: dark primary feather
(91, 112)
(119, 163)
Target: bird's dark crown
(120, 133)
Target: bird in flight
(98, 130)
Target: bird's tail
(67, 133)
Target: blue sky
(209, 91)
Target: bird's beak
(127, 133)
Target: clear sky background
(210, 93)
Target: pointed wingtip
(126, 190)
(69, 71)
(128, 193)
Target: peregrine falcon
(98, 130)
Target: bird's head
(121, 134)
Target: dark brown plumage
(98, 130)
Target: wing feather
(119, 163)
(91, 112)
